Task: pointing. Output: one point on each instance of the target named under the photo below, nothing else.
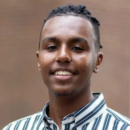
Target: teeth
(63, 73)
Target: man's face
(67, 55)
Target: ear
(38, 63)
(98, 62)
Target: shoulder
(118, 116)
(24, 122)
(118, 120)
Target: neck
(60, 106)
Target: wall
(22, 91)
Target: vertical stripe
(21, 124)
(84, 108)
(36, 119)
(54, 127)
(124, 127)
(44, 128)
(111, 123)
(90, 125)
(17, 125)
(8, 128)
(96, 123)
(72, 125)
(106, 122)
(87, 117)
(74, 128)
(118, 116)
(93, 116)
(40, 121)
(116, 122)
(26, 124)
(67, 126)
(12, 126)
(85, 127)
(100, 126)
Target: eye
(52, 48)
(77, 49)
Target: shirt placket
(68, 123)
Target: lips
(64, 72)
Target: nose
(63, 55)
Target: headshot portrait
(68, 70)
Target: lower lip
(63, 77)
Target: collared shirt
(94, 116)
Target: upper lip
(64, 69)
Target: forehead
(68, 26)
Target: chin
(64, 93)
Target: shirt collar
(84, 115)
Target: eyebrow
(79, 39)
(54, 39)
(73, 39)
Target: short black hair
(81, 11)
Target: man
(68, 54)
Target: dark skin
(67, 44)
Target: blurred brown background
(22, 91)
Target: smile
(66, 73)
(63, 74)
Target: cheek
(86, 64)
(46, 59)
(83, 60)
(45, 63)
(83, 64)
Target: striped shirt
(94, 116)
